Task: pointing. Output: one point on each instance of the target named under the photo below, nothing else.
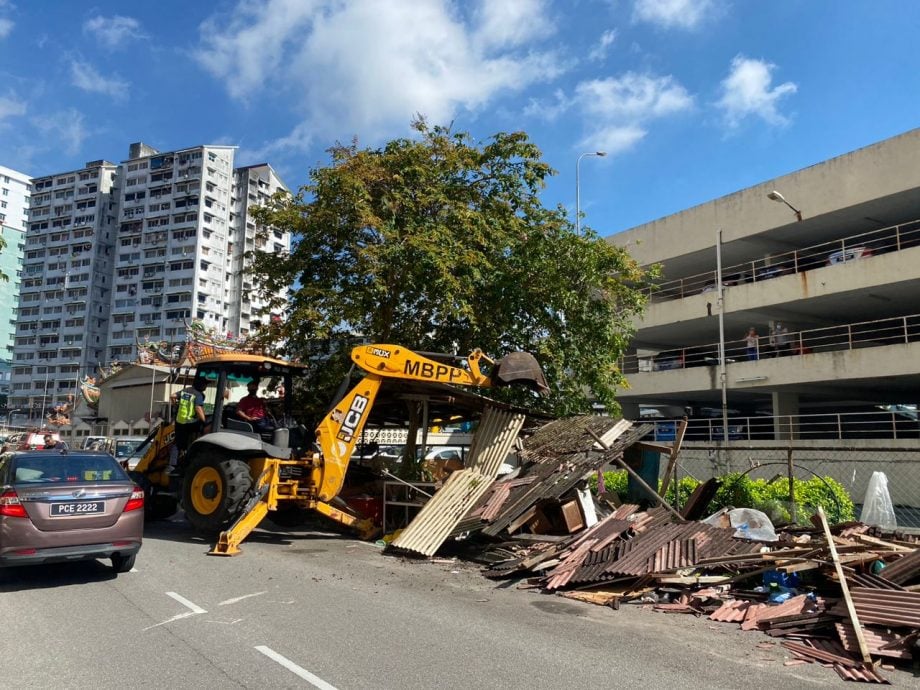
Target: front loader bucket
(519, 369)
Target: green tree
(442, 244)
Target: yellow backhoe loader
(235, 475)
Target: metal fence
(853, 248)
(850, 336)
(898, 423)
(852, 468)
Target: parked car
(124, 449)
(90, 441)
(848, 254)
(57, 506)
(35, 440)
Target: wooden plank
(845, 588)
(881, 542)
(672, 456)
(635, 475)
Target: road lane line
(186, 603)
(315, 681)
(177, 617)
(236, 599)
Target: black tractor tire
(157, 505)
(214, 491)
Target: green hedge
(772, 498)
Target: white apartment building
(831, 252)
(164, 247)
(65, 293)
(15, 190)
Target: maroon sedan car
(58, 506)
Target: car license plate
(76, 508)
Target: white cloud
(511, 23)
(613, 139)
(669, 14)
(6, 26)
(619, 109)
(747, 91)
(366, 67)
(112, 32)
(65, 129)
(632, 96)
(599, 52)
(84, 76)
(11, 106)
(616, 111)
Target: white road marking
(233, 622)
(236, 599)
(315, 681)
(194, 610)
(134, 570)
(178, 616)
(186, 603)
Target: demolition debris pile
(847, 596)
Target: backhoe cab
(236, 475)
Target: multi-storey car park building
(831, 252)
(15, 190)
(121, 254)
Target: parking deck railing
(853, 248)
(852, 336)
(896, 423)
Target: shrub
(770, 497)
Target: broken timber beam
(635, 475)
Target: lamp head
(600, 153)
(775, 196)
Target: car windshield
(124, 448)
(57, 467)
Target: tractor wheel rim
(207, 491)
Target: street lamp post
(601, 154)
(776, 196)
(723, 374)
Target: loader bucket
(519, 369)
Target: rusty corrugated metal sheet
(885, 607)
(860, 673)
(562, 573)
(903, 570)
(439, 516)
(876, 641)
(731, 612)
(870, 581)
(677, 553)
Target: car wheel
(122, 564)
(214, 491)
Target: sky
(690, 99)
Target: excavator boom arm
(395, 361)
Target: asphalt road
(305, 609)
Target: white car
(849, 254)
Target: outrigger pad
(521, 369)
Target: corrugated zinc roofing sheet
(439, 516)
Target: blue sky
(692, 99)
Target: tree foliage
(440, 243)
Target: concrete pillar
(630, 411)
(785, 413)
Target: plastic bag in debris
(877, 507)
(748, 523)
